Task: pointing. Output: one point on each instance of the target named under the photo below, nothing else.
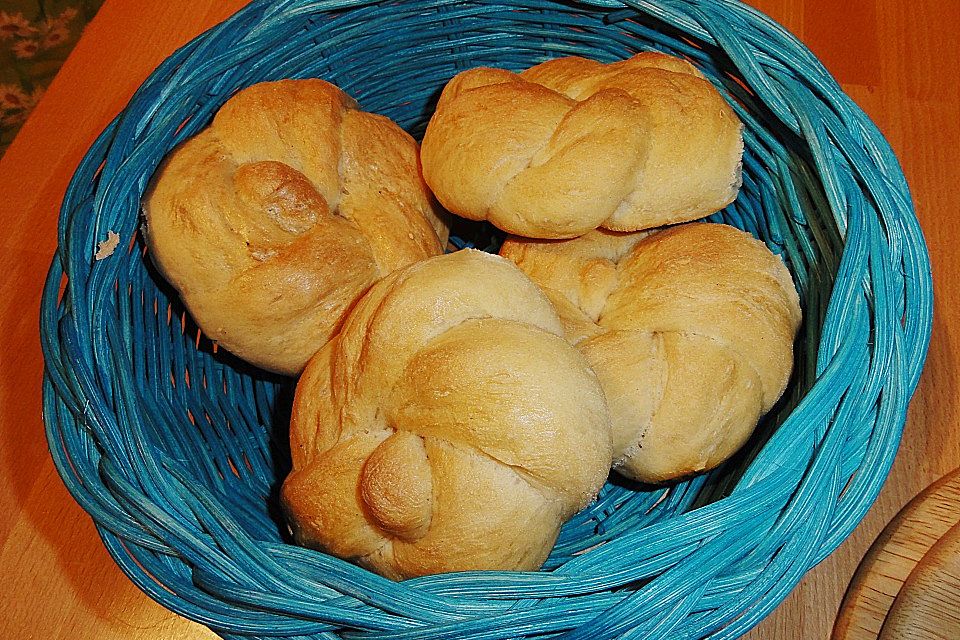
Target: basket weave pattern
(177, 450)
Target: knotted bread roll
(449, 426)
(571, 145)
(689, 329)
(273, 220)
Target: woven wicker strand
(177, 450)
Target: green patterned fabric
(35, 38)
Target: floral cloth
(35, 38)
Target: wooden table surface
(898, 60)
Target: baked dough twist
(273, 220)
(449, 426)
(571, 145)
(690, 331)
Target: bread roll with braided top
(689, 329)
(273, 220)
(571, 145)
(449, 426)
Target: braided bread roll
(571, 145)
(448, 427)
(272, 221)
(689, 329)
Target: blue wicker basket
(177, 451)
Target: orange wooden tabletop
(898, 60)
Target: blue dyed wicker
(177, 451)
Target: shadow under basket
(177, 450)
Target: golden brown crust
(571, 145)
(274, 219)
(448, 427)
(689, 329)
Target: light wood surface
(928, 606)
(893, 578)
(897, 60)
